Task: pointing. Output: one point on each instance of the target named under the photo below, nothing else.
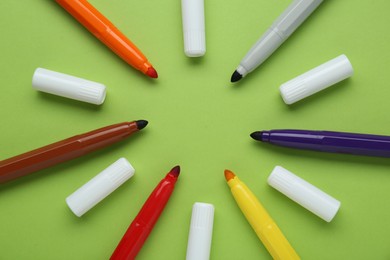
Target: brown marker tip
(229, 175)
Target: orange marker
(107, 33)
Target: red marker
(143, 223)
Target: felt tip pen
(65, 150)
(280, 30)
(264, 226)
(107, 33)
(328, 141)
(139, 230)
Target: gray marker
(280, 30)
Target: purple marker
(326, 141)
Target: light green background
(196, 119)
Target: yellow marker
(264, 226)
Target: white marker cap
(68, 86)
(193, 27)
(201, 231)
(100, 186)
(303, 193)
(316, 79)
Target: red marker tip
(152, 73)
(175, 171)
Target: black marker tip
(235, 77)
(258, 136)
(141, 124)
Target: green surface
(196, 119)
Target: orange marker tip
(152, 73)
(175, 171)
(229, 175)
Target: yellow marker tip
(229, 175)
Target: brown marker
(67, 149)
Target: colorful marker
(327, 141)
(66, 150)
(264, 226)
(139, 230)
(108, 34)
